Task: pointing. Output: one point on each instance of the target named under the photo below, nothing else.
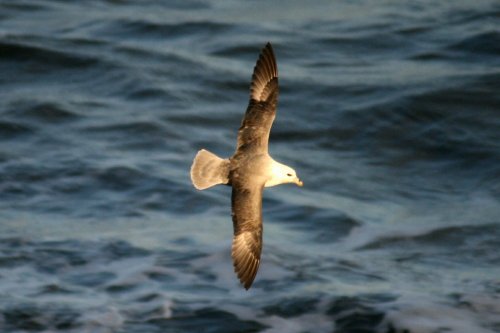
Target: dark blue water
(389, 111)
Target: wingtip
(268, 48)
(247, 284)
(246, 273)
(265, 74)
(245, 263)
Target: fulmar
(250, 169)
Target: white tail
(208, 170)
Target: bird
(250, 169)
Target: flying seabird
(250, 169)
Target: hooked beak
(299, 182)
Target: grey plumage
(250, 169)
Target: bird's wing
(246, 203)
(256, 125)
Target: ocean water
(389, 111)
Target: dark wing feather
(246, 203)
(259, 117)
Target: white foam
(101, 320)
(317, 323)
(424, 315)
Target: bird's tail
(208, 170)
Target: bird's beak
(299, 182)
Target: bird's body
(250, 169)
(260, 168)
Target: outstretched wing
(246, 203)
(259, 117)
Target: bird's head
(291, 177)
(282, 174)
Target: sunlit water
(389, 112)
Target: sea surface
(389, 111)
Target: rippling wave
(388, 111)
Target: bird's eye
(289, 174)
